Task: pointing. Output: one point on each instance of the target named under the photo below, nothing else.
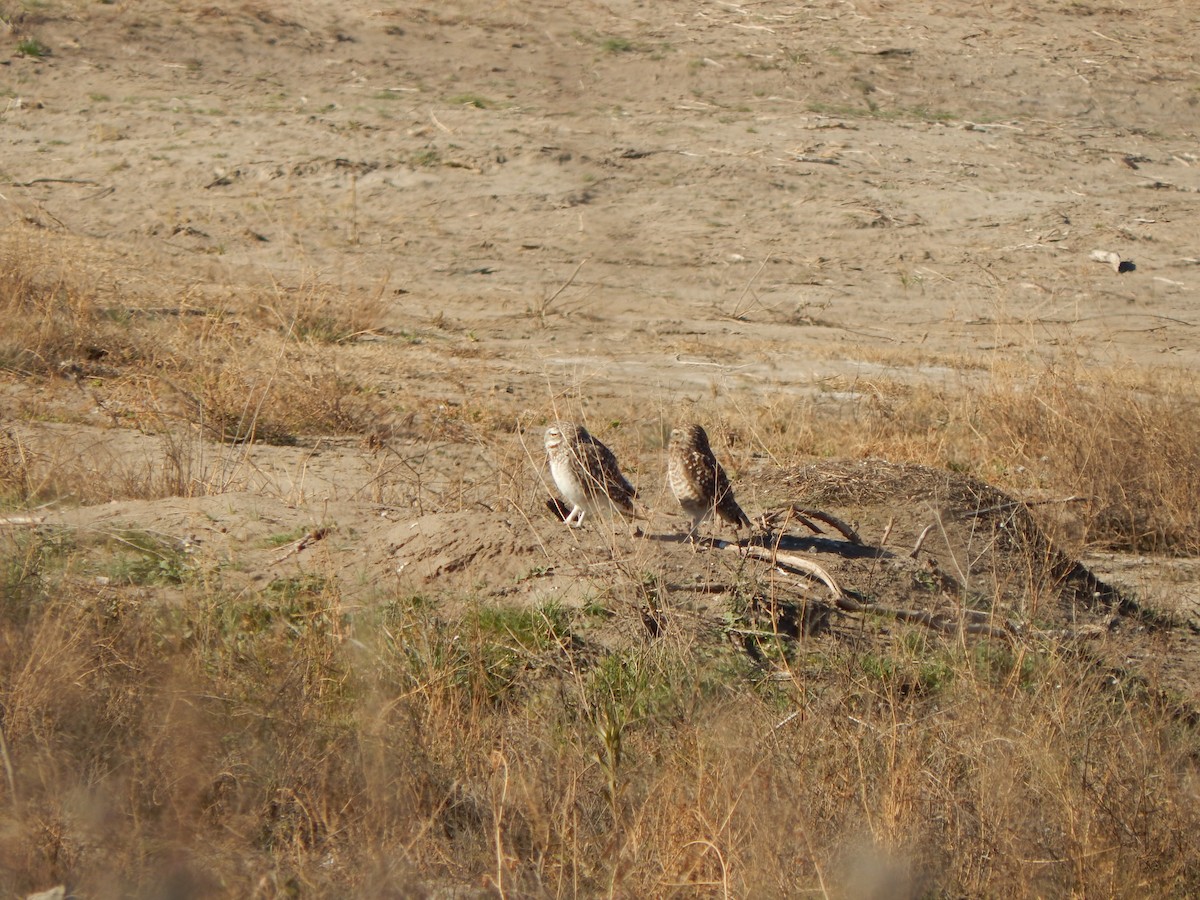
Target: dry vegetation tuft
(57, 323)
(1125, 444)
(171, 726)
(224, 372)
(281, 740)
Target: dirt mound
(455, 550)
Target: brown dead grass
(276, 741)
(183, 372)
(1125, 444)
(57, 323)
(171, 727)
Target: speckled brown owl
(698, 481)
(586, 473)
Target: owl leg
(575, 519)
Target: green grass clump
(617, 45)
(140, 558)
(32, 48)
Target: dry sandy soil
(623, 212)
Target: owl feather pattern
(586, 473)
(698, 481)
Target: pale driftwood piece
(791, 515)
(805, 515)
(821, 516)
(966, 621)
(887, 532)
(787, 560)
(921, 540)
(21, 520)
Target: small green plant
(474, 100)
(531, 630)
(425, 158)
(616, 697)
(143, 558)
(617, 45)
(285, 537)
(33, 48)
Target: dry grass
(234, 370)
(172, 726)
(58, 323)
(269, 741)
(1126, 443)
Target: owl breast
(563, 471)
(685, 487)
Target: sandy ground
(618, 208)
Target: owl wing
(713, 485)
(605, 473)
(709, 477)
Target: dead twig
(49, 181)
(8, 769)
(317, 534)
(786, 560)
(821, 516)
(738, 315)
(921, 540)
(544, 308)
(1015, 504)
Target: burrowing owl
(698, 481)
(586, 472)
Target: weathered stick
(312, 537)
(968, 621)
